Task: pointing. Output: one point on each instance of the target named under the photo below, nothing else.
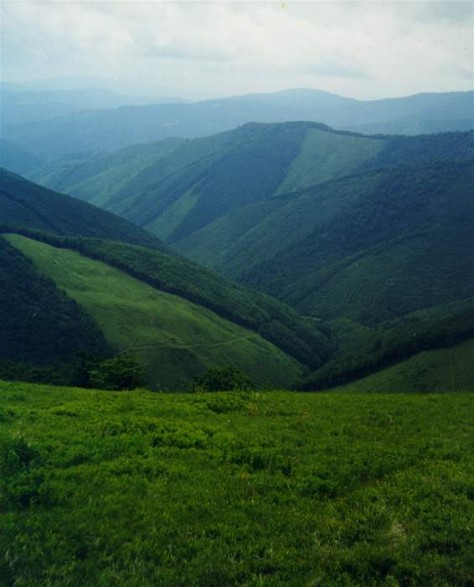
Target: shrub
(117, 373)
(223, 379)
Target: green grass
(444, 370)
(174, 339)
(325, 156)
(136, 488)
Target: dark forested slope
(26, 204)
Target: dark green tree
(223, 379)
(117, 373)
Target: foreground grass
(137, 489)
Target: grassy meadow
(439, 370)
(174, 339)
(257, 488)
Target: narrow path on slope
(188, 346)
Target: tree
(223, 379)
(117, 373)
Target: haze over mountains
(24, 104)
(89, 131)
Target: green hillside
(440, 370)
(208, 196)
(337, 225)
(41, 326)
(374, 247)
(98, 177)
(298, 336)
(261, 325)
(372, 230)
(138, 488)
(174, 339)
(26, 204)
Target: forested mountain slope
(180, 188)
(341, 226)
(172, 339)
(370, 247)
(321, 219)
(177, 323)
(26, 204)
(214, 321)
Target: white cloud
(366, 49)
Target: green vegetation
(117, 373)
(136, 488)
(279, 324)
(180, 191)
(41, 326)
(25, 204)
(400, 241)
(363, 350)
(223, 379)
(375, 230)
(174, 339)
(102, 174)
(442, 370)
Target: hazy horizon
(205, 50)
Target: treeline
(114, 372)
(395, 342)
(294, 334)
(446, 146)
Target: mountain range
(87, 131)
(370, 235)
(365, 240)
(125, 292)
(297, 209)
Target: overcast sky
(366, 49)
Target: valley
(374, 230)
(236, 293)
(238, 341)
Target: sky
(195, 50)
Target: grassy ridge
(97, 177)
(175, 339)
(297, 336)
(101, 488)
(440, 370)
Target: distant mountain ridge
(25, 104)
(92, 131)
